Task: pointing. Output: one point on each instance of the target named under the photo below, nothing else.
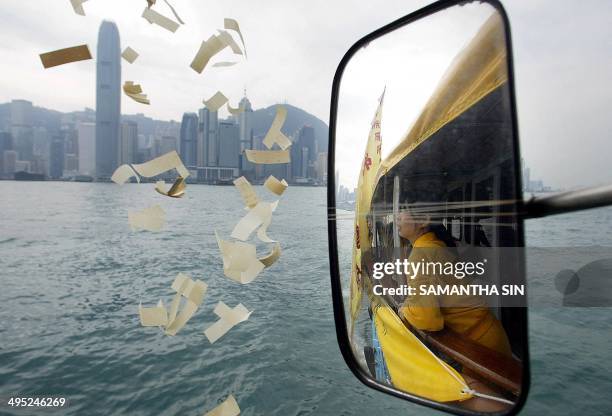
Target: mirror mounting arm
(594, 197)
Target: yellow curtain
(365, 188)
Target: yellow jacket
(471, 318)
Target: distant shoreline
(148, 181)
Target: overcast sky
(561, 48)
(389, 64)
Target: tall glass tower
(108, 99)
(189, 139)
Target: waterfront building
(189, 139)
(86, 133)
(108, 99)
(229, 145)
(128, 143)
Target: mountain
(296, 119)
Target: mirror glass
(427, 189)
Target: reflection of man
(472, 317)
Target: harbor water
(72, 275)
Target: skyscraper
(56, 157)
(6, 144)
(244, 120)
(229, 145)
(208, 142)
(87, 148)
(304, 153)
(189, 139)
(108, 99)
(21, 129)
(128, 142)
(246, 136)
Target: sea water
(72, 275)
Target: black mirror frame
(338, 303)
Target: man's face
(407, 226)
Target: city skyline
(212, 148)
(142, 138)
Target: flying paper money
(161, 164)
(274, 134)
(179, 285)
(194, 292)
(152, 16)
(123, 173)
(129, 55)
(267, 157)
(215, 102)
(150, 219)
(240, 261)
(231, 24)
(276, 186)
(235, 111)
(207, 50)
(134, 91)
(271, 258)
(246, 191)
(156, 316)
(224, 63)
(77, 5)
(177, 190)
(174, 12)
(260, 214)
(228, 408)
(229, 319)
(262, 232)
(229, 41)
(65, 56)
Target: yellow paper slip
(123, 173)
(240, 262)
(161, 164)
(228, 408)
(150, 219)
(235, 111)
(134, 91)
(246, 191)
(155, 316)
(65, 56)
(231, 24)
(129, 55)
(274, 134)
(262, 232)
(207, 50)
(153, 17)
(276, 186)
(267, 157)
(228, 319)
(194, 292)
(215, 102)
(229, 41)
(177, 190)
(260, 214)
(77, 5)
(224, 63)
(174, 12)
(271, 258)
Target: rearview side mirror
(424, 196)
